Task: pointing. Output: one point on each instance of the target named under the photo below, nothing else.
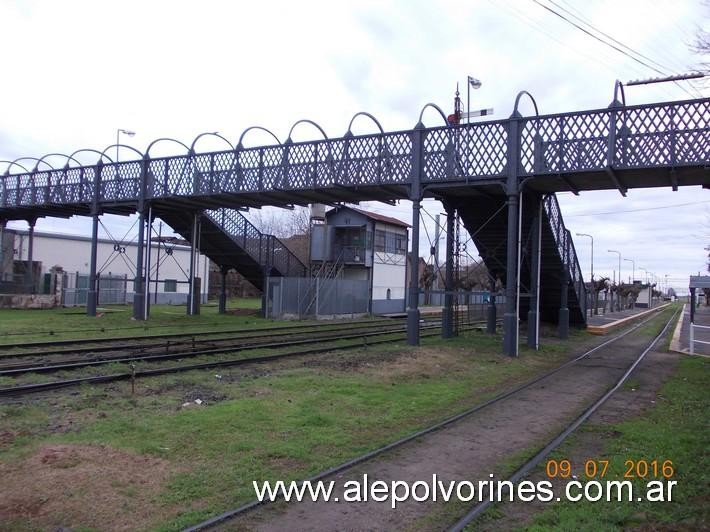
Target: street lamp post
(118, 137)
(475, 84)
(618, 298)
(633, 269)
(594, 310)
(645, 274)
(633, 274)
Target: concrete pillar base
(510, 338)
(139, 306)
(91, 303)
(413, 316)
(491, 318)
(564, 323)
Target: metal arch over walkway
(662, 144)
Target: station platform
(681, 336)
(423, 311)
(603, 324)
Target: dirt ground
(469, 450)
(50, 488)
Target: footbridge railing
(566, 249)
(646, 136)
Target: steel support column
(30, 276)
(191, 283)
(447, 318)
(510, 318)
(415, 193)
(138, 295)
(149, 248)
(223, 291)
(533, 312)
(92, 296)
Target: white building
(367, 247)
(115, 264)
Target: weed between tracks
(281, 420)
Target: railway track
(357, 340)
(451, 421)
(205, 347)
(111, 344)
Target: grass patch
(676, 429)
(22, 325)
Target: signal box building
(359, 245)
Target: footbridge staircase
(233, 242)
(485, 220)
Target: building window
(400, 244)
(170, 285)
(379, 240)
(389, 242)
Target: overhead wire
(580, 16)
(607, 43)
(529, 22)
(637, 210)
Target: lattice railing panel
(644, 136)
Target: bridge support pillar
(534, 310)
(192, 297)
(92, 295)
(223, 291)
(447, 316)
(510, 318)
(149, 248)
(139, 294)
(413, 313)
(30, 275)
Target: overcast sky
(75, 71)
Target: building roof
(374, 216)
